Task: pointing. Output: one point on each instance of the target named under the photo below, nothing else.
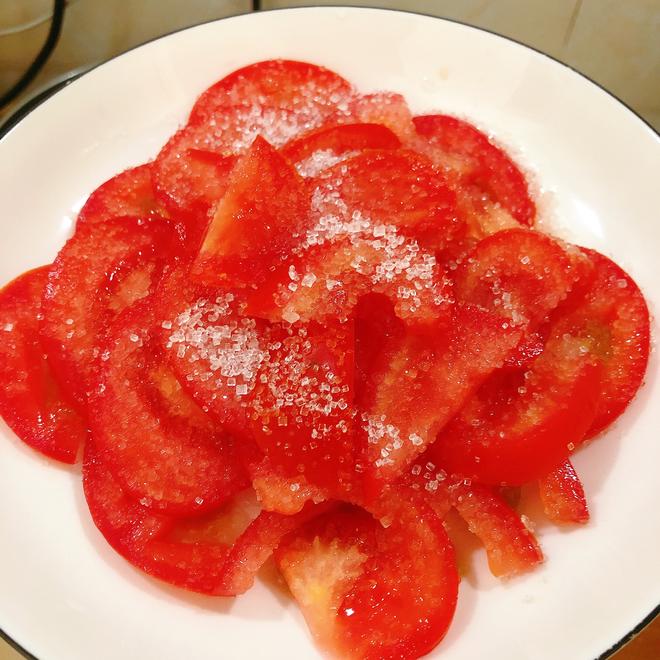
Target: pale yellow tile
(618, 44)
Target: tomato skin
(31, 400)
(562, 495)
(478, 163)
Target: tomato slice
(562, 495)
(212, 348)
(162, 448)
(300, 411)
(189, 177)
(369, 591)
(396, 187)
(510, 546)
(257, 221)
(127, 193)
(519, 274)
(389, 110)
(325, 147)
(419, 382)
(31, 401)
(518, 426)
(218, 553)
(88, 286)
(481, 168)
(312, 93)
(609, 313)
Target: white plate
(65, 595)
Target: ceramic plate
(65, 595)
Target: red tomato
(609, 313)
(162, 448)
(87, 287)
(217, 554)
(369, 591)
(256, 223)
(562, 495)
(387, 109)
(518, 426)
(480, 168)
(519, 274)
(420, 380)
(311, 93)
(212, 348)
(324, 147)
(31, 400)
(127, 193)
(189, 178)
(300, 411)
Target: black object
(42, 56)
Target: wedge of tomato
(369, 591)
(127, 193)
(87, 287)
(256, 223)
(562, 495)
(387, 109)
(31, 400)
(163, 449)
(483, 171)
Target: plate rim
(24, 111)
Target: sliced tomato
(325, 147)
(300, 411)
(510, 546)
(312, 93)
(88, 286)
(562, 495)
(421, 380)
(190, 178)
(519, 274)
(396, 187)
(212, 348)
(127, 193)
(481, 168)
(529, 348)
(609, 313)
(327, 280)
(162, 448)
(31, 400)
(388, 109)
(369, 591)
(257, 221)
(518, 426)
